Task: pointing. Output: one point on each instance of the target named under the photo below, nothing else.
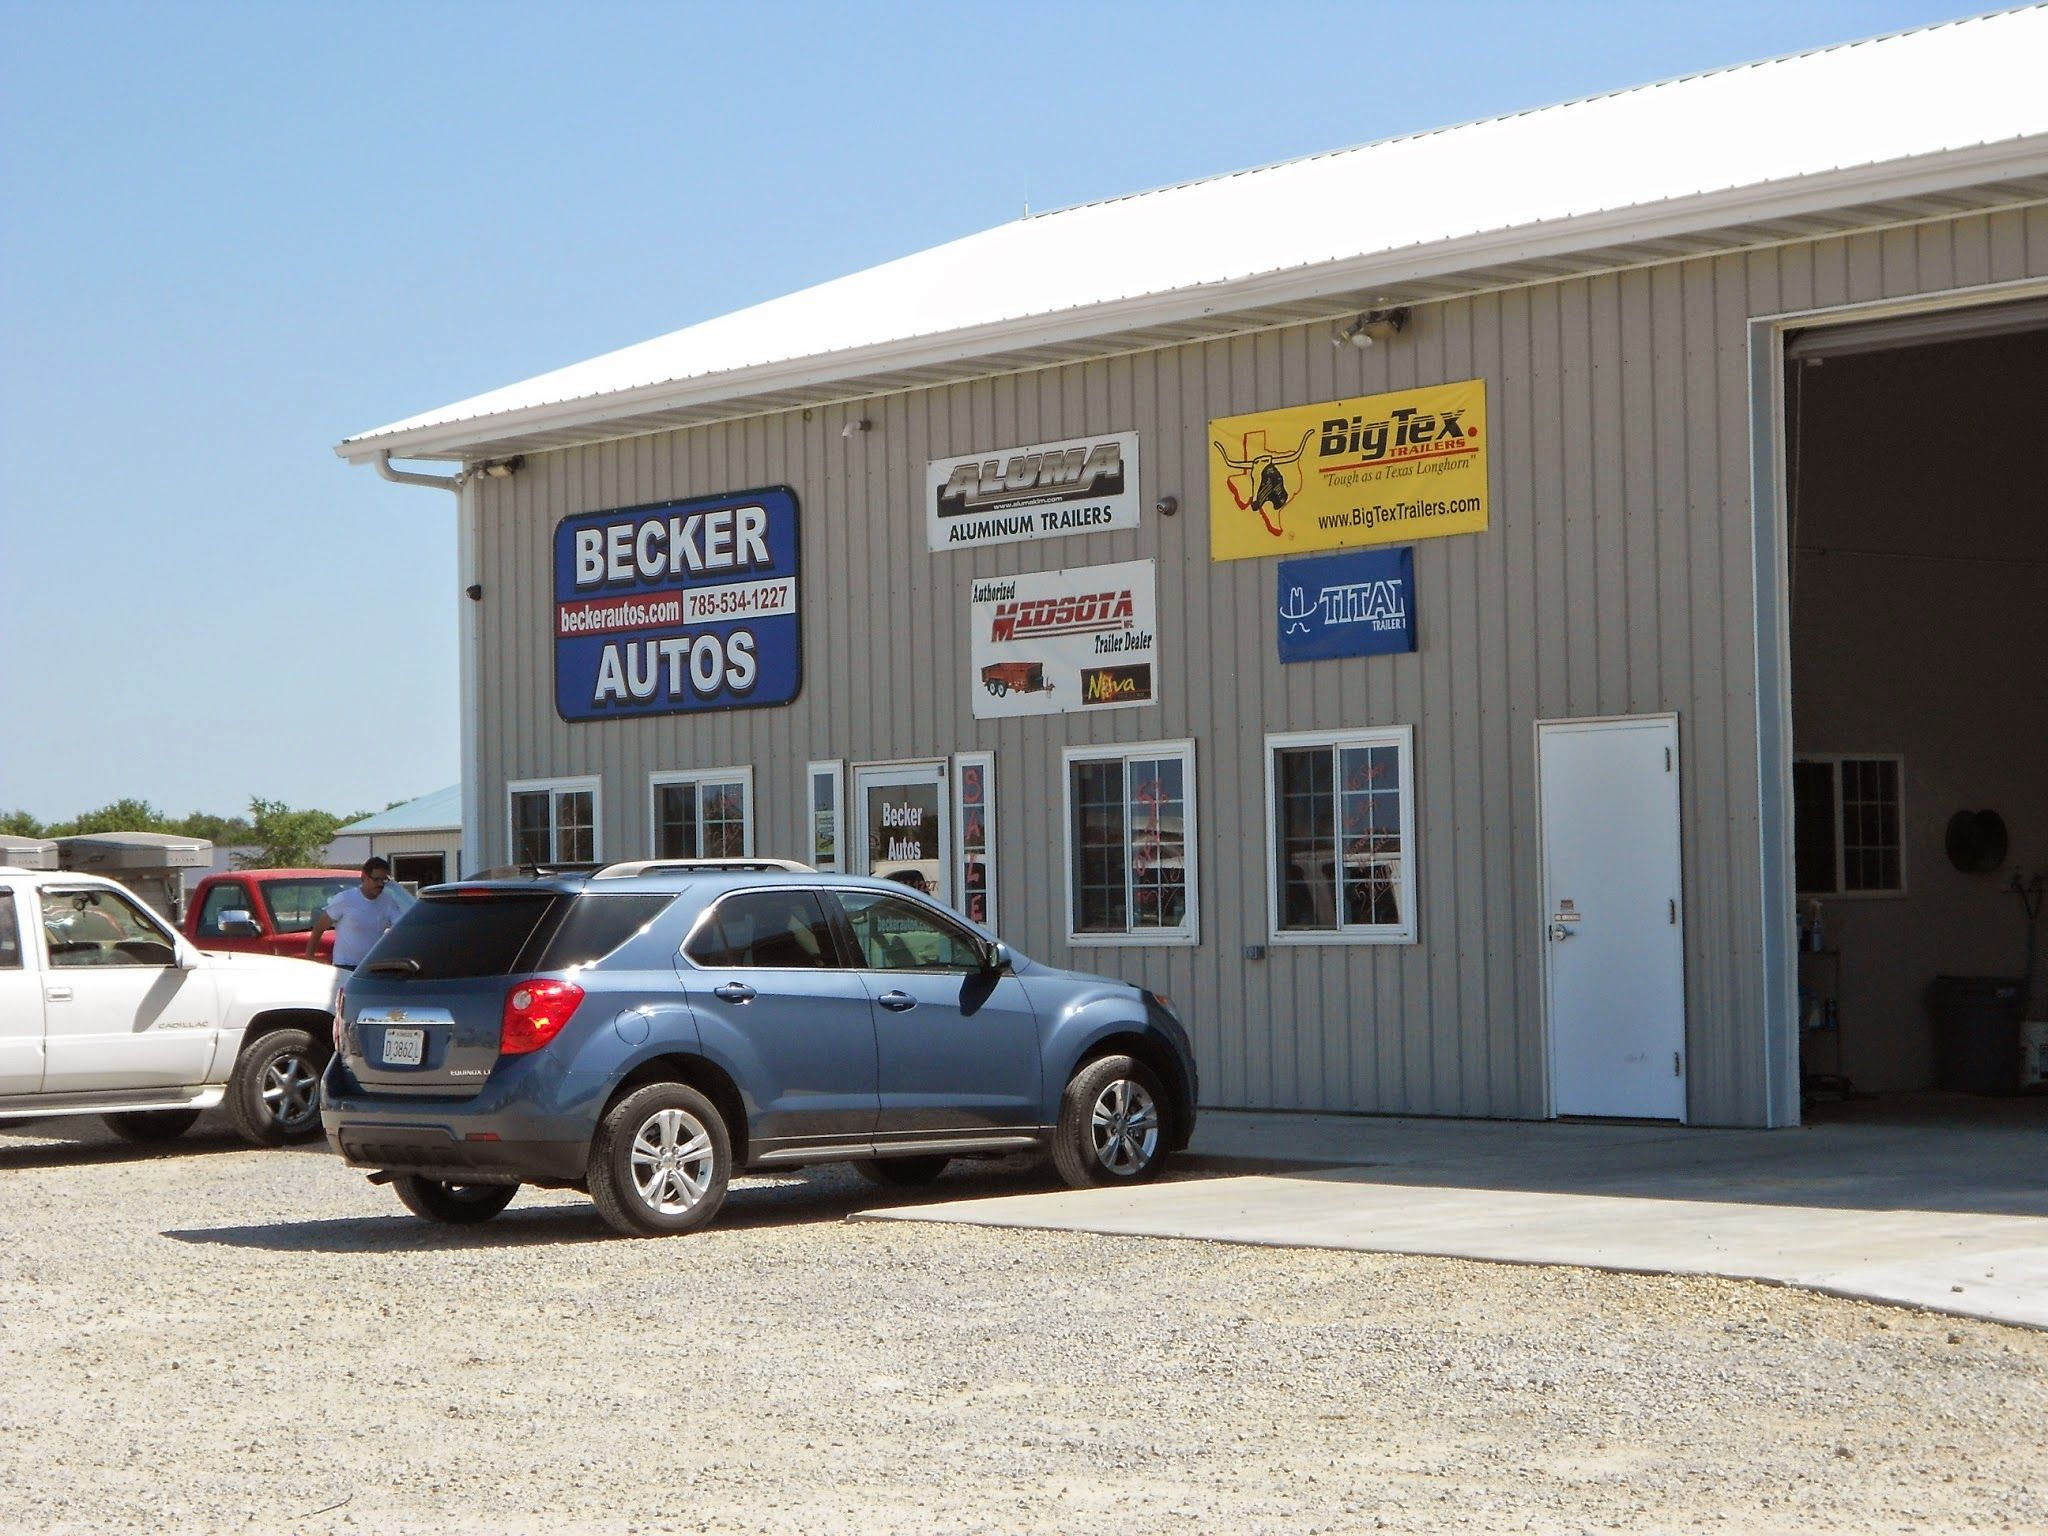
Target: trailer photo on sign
(1054, 642)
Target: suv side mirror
(997, 958)
(238, 923)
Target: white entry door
(1614, 938)
(904, 815)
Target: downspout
(468, 642)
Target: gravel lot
(212, 1338)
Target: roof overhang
(1974, 180)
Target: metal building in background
(1353, 595)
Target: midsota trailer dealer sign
(684, 606)
(1055, 642)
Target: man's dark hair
(371, 866)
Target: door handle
(897, 1002)
(1560, 931)
(734, 992)
(58, 994)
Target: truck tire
(274, 1093)
(147, 1125)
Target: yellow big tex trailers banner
(1381, 469)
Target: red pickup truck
(269, 911)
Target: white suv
(106, 1009)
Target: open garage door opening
(1916, 481)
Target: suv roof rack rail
(702, 866)
(528, 872)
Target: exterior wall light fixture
(502, 469)
(1375, 325)
(858, 425)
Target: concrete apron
(1949, 1215)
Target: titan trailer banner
(1356, 604)
(1381, 469)
(680, 607)
(1058, 642)
(1084, 485)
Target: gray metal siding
(1615, 579)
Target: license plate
(404, 1047)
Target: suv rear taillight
(535, 1012)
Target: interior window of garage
(1130, 844)
(1845, 826)
(1340, 824)
(706, 815)
(554, 822)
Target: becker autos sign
(1381, 469)
(1356, 604)
(1084, 485)
(689, 605)
(1059, 641)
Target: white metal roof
(1914, 115)
(440, 811)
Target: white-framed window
(1130, 843)
(1848, 812)
(974, 835)
(1340, 834)
(827, 781)
(554, 821)
(702, 814)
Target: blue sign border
(1316, 638)
(779, 664)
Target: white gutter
(468, 639)
(1948, 170)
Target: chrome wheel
(291, 1092)
(672, 1161)
(1125, 1125)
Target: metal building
(1497, 428)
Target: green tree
(221, 831)
(20, 824)
(126, 815)
(285, 837)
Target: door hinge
(1676, 1070)
(1673, 903)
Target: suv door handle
(734, 992)
(58, 994)
(897, 1002)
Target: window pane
(530, 841)
(1158, 844)
(575, 827)
(231, 897)
(1370, 806)
(295, 903)
(100, 927)
(454, 936)
(725, 820)
(1813, 827)
(898, 935)
(1870, 825)
(10, 934)
(594, 926)
(1303, 781)
(778, 930)
(1098, 798)
(675, 821)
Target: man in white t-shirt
(359, 916)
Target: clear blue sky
(232, 234)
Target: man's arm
(320, 925)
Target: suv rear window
(594, 926)
(445, 937)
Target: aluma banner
(1085, 485)
(1056, 642)
(1381, 469)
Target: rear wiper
(393, 968)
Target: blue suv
(645, 1030)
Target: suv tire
(147, 1125)
(457, 1204)
(902, 1172)
(1112, 1126)
(660, 1162)
(274, 1093)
